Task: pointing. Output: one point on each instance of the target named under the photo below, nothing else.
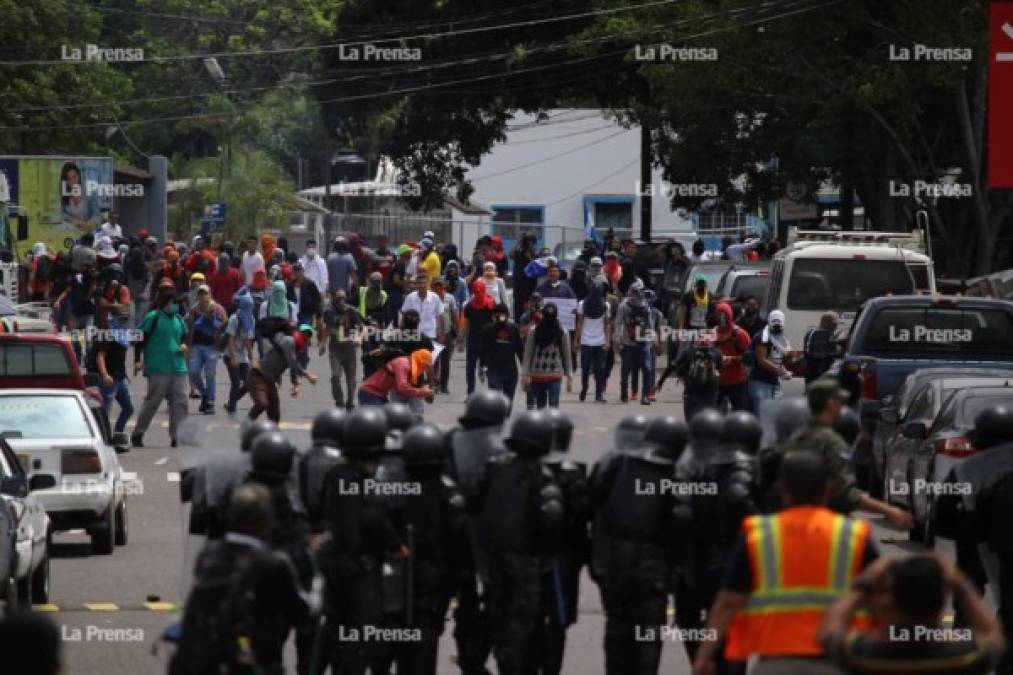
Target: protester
(402, 375)
(553, 286)
(373, 301)
(315, 266)
(162, 355)
(593, 333)
(429, 263)
(111, 364)
(455, 285)
(264, 378)
(632, 332)
(252, 260)
(304, 293)
(819, 348)
(207, 325)
(733, 342)
(494, 285)
(476, 315)
(341, 267)
(522, 255)
(241, 332)
(773, 354)
(547, 360)
(749, 319)
(342, 328)
(428, 306)
(450, 321)
(696, 307)
(398, 283)
(226, 282)
(500, 347)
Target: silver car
(34, 530)
(55, 432)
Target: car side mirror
(42, 481)
(916, 431)
(121, 442)
(14, 486)
(889, 415)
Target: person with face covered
(773, 353)
(264, 378)
(594, 335)
(749, 318)
(315, 266)
(475, 316)
(373, 301)
(500, 348)
(733, 342)
(163, 356)
(547, 360)
(455, 285)
(633, 333)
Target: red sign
(1000, 96)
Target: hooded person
(547, 356)
(277, 313)
(264, 378)
(773, 354)
(455, 285)
(241, 334)
(402, 379)
(593, 334)
(373, 301)
(733, 342)
(476, 314)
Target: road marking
(129, 476)
(162, 606)
(172, 476)
(101, 607)
(48, 607)
(160, 462)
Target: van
(838, 271)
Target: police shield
(471, 450)
(768, 416)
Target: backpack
(217, 614)
(380, 356)
(702, 372)
(749, 358)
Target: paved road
(113, 609)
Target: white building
(567, 171)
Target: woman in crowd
(547, 359)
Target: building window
(617, 216)
(509, 222)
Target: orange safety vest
(803, 559)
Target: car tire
(103, 533)
(122, 524)
(41, 588)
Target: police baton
(409, 574)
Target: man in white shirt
(111, 228)
(315, 267)
(252, 260)
(428, 305)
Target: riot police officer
(791, 414)
(208, 484)
(478, 439)
(565, 574)
(633, 500)
(521, 521)
(312, 465)
(432, 520)
(977, 518)
(271, 460)
(360, 536)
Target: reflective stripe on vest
(803, 560)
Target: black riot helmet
(485, 408)
(742, 429)
(706, 425)
(423, 446)
(668, 434)
(564, 429)
(993, 426)
(365, 432)
(252, 431)
(271, 457)
(848, 425)
(532, 434)
(399, 416)
(630, 432)
(792, 414)
(328, 427)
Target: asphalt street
(113, 609)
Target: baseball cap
(198, 276)
(203, 288)
(596, 261)
(426, 243)
(776, 317)
(166, 282)
(428, 234)
(306, 328)
(698, 278)
(404, 248)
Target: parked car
(8, 559)
(711, 270)
(744, 280)
(34, 531)
(24, 318)
(78, 452)
(895, 410)
(941, 445)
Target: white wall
(555, 163)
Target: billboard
(63, 197)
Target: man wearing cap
(696, 307)
(207, 322)
(341, 267)
(826, 398)
(429, 259)
(264, 378)
(314, 266)
(163, 352)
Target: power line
(584, 189)
(548, 159)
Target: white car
(55, 432)
(34, 534)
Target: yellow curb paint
(101, 607)
(161, 606)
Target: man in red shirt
(733, 342)
(225, 282)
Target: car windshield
(843, 285)
(712, 273)
(933, 330)
(33, 417)
(751, 285)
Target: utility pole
(646, 182)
